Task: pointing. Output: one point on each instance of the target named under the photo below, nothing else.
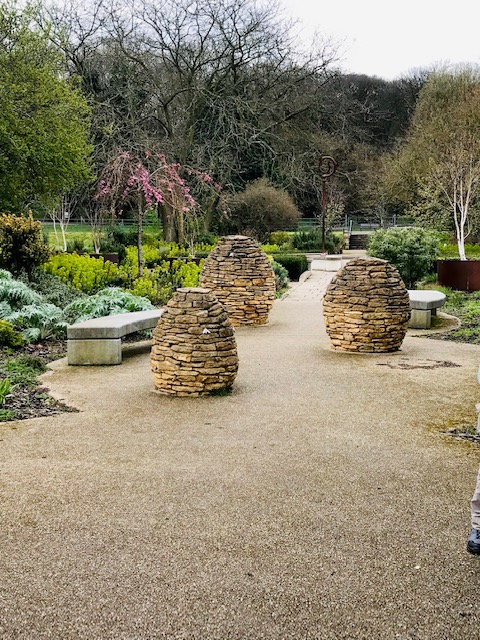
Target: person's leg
(473, 544)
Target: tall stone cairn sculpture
(194, 350)
(366, 307)
(240, 275)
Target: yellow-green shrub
(9, 337)
(185, 274)
(158, 285)
(269, 248)
(84, 273)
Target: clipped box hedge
(295, 264)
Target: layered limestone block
(194, 351)
(367, 307)
(240, 275)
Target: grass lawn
(450, 252)
(83, 233)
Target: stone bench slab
(116, 326)
(424, 305)
(98, 341)
(424, 299)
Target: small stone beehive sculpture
(366, 307)
(240, 275)
(194, 350)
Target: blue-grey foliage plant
(37, 319)
(106, 302)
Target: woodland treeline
(220, 88)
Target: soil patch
(28, 399)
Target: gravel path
(318, 501)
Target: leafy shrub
(151, 257)
(280, 237)
(9, 337)
(121, 235)
(312, 241)
(27, 311)
(203, 248)
(209, 239)
(281, 277)
(76, 245)
(15, 294)
(53, 289)
(158, 285)
(270, 248)
(294, 264)
(39, 321)
(83, 272)
(153, 288)
(106, 302)
(261, 209)
(22, 246)
(185, 274)
(117, 238)
(412, 251)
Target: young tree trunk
(180, 228)
(64, 237)
(168, 226)
(55, 229)
(140, 236)
(96, 239)
(460, 213)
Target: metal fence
(356, 223)
(349, 224)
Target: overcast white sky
(387, 39)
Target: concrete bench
(99, 341)
(424, 305)
(330, 262)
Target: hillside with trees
(219, 88)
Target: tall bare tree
(441, 155)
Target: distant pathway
(312, 289)
(316, 502)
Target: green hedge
(295, 264)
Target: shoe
(473, 544)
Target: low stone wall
(194, 350)
(366, 307)
(241, 276)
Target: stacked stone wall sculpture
(240, 275)
(367, 307)
(194, 351)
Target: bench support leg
(420, 319)
(94, 352)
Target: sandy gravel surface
(317, 501)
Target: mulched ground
(30, 401)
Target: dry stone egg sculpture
(194, 351)
(240, 275)
(366, 307)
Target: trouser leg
(475, 505)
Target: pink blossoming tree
(151, 183)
